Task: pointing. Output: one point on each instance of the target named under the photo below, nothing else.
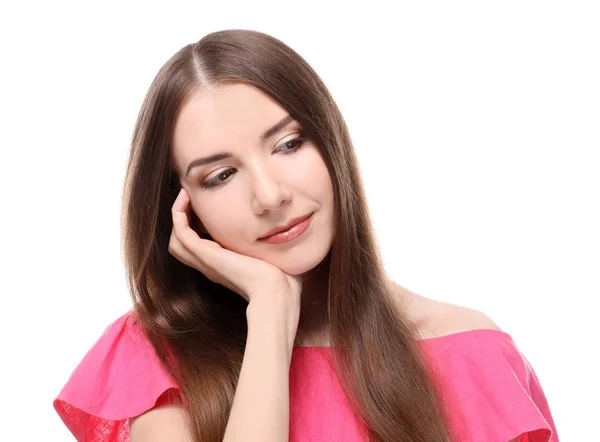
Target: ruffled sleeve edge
(119, 378)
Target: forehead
(224, 118)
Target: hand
(247, 276)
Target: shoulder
(433, 318)
(490, 386)
(447, 319)
(167, 420)
(118, 378)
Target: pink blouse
(495, 394)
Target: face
(269, 174)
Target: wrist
(271, 318)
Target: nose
(269, 192)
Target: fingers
(179, 251)
(181, 222)
(232, 270)
(182, 235)
(185, 244)
(179, 210)
(182, 200)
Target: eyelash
(215, 182)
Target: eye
(218, 179)
(286, 148)
(292, 145)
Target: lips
(282, 228)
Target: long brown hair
(198, 327)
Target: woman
(262, 310)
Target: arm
(260, 409)
(163, 422)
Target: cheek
(307, 172)
(320, 186)
(223, 225)
(315, 179)
(308, 175)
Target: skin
(265, 183)
(268, 187)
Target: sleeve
(120, 377)
(499, 395)
(526, 402)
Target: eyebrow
(222, 155)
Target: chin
(297, 268)
(300, 263)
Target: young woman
(262, 311)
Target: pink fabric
(491, 391)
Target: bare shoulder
(434, 318)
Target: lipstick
(287, 235)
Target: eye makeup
(289, 147)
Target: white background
(477, 129)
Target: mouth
(292, 230)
